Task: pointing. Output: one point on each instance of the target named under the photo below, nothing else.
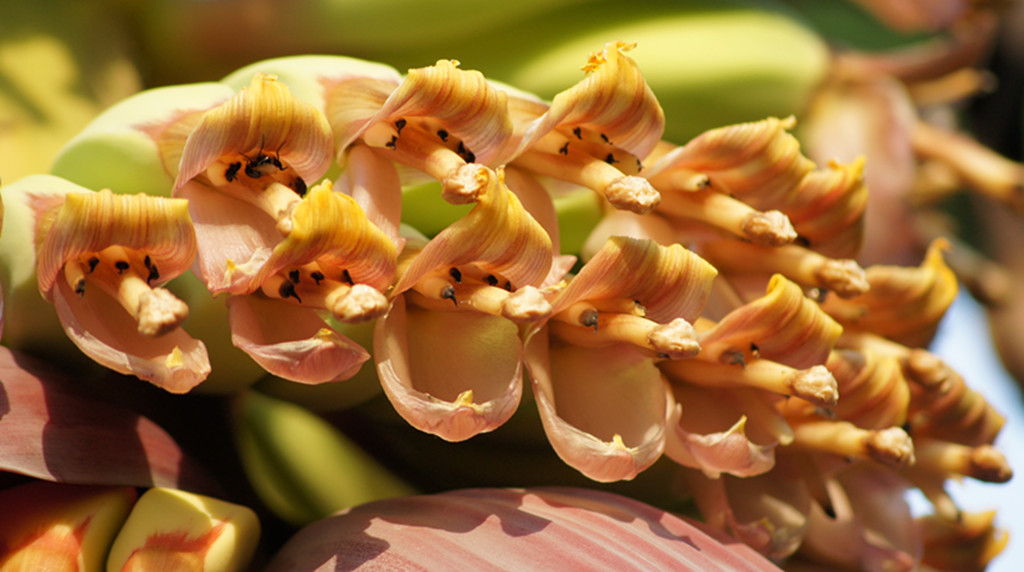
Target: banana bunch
(301, 466)
(60, 526)
(711, 63)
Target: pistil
(674, 340)
(122, 276)
(815, 385)
(892, 446)
(555, 155)
(348, 303)
(433, 150)
(721, 211)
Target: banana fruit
(62, 526)
(302, 467)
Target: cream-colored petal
(291, 342)
(372, 180)
(604, 410)
(767, 512)
(452, 374)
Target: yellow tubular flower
(100, 259)
(903, 304)
(596, 133)
(759, 163)
(603, 403)
(456, 307)
(334, 260)
(440, 120)
(783, 325)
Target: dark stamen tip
(80, 288)
(589, 319)
(294, 275)
(448, 293)
(456, 275)
(399, 125)
(287, 290)
(491, 280)
(92, 263)
(346, 277)
(317, 276)
(121, 266)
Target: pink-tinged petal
(54, 430)
(767, 512)
(784, 325)
(498, 235)
(292, 342)
(669, 281)
(463, 102)
(724, 431)
(624, 223)
(104, 331)
(536, 200)
(373, 182)
(90, 222)
(604, 410)
(452, 374)
(234, 238)
(613, 100)
(261, 119)
(543, 529)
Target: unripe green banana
(204, 39)
(302, 467)
(170, 529)
(709, 64)
(116, 152)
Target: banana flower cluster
(715, 315)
